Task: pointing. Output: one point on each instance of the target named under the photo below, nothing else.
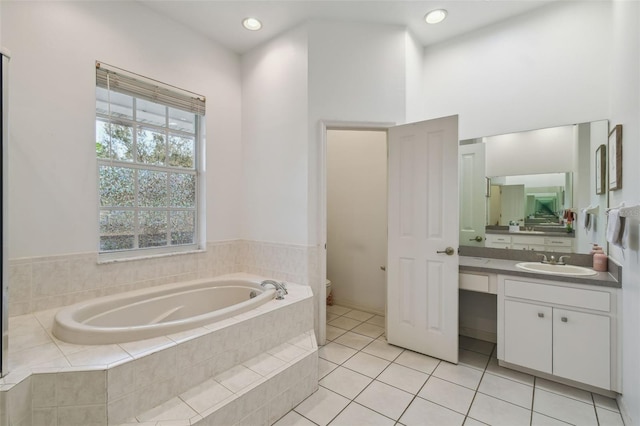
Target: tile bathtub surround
(383, 384)
(141, 375)
(42, 283)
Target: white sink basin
(546, 268)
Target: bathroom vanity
(564, 328)
(551, 241)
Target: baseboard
(353, 305)
(568, 382)
(624, 411)
(487, 336)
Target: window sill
(129, 257)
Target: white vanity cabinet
(497, 241)
(561, 329)
(530, 242)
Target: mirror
(530, 180)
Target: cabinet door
(528, 335)
(581, 347)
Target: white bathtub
(157, 311)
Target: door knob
(477, 238)
(448, 251)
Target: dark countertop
(557, 234)
(508, 267)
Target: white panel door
(512, 204)
(473, 202)
(422, 284)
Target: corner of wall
(625, 109)
(414, 64)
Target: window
(148, 138)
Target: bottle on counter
(599, 259)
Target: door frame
(326, 125)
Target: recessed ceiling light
(435, 16)
(252, 24)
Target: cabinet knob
(540, 315)
(564, 319)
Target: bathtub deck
(291, 367)
(49, 378)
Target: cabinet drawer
(580, 298)
(494, 238)
(558, 242)
(474, 282)
(528, 240)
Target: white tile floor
(365, 381)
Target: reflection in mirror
(530, 180)
(531, 200)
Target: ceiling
(220, 20)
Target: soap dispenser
(599, 259)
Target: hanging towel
(624, 233)
(614, 227)
(585, 218)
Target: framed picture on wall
(615, 158)
(601, 171)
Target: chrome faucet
(552, 260)
(281, 288)
(561, 261)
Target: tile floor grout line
(415, 395)
(475, 393)
(535, 379)
(353, 400)
(595, 409)
(535, 386)
(533, 400)
(376, 379)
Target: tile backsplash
(41, 283)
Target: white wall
(591, 136)
(274, 137)
(541, 151)
(357, 73)
(625, 110)
(549, 67)
(414, 92)
(357, 218)
(53, 200)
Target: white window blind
(112, 78)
